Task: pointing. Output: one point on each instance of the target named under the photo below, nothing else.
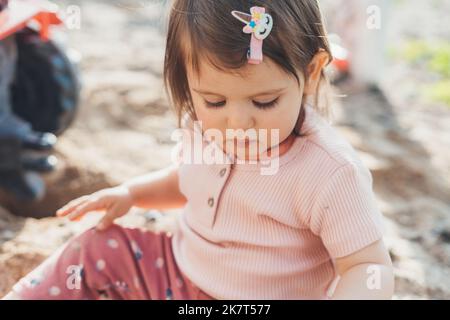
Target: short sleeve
(345, 214)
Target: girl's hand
(116, 202)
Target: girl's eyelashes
(259, 105)
(266, 105)
(215, 104)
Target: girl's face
(260, 97)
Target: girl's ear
(314, 69)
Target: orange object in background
(340, 57)
(20, 13)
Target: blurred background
(391, 100)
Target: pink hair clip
(259, 24)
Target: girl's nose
(240, 120)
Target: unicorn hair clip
(259, 24)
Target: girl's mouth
(245, 143)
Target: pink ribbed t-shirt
(244, 235)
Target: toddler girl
(308, 228)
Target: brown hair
(200, 29)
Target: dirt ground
(123, 130)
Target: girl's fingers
(72, 205)
(85, 208)
(108, 220)
(68, 210)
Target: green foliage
(439, 92)
(440, 61)
(415, 51)
(435, 58)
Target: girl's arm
(157, 190)
(366, 274)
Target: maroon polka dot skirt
(119, 263)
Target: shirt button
(222, 172)
(211, 202)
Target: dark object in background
(46, 90)
(39, 141)
(3, 4)
(24, 185)
(41, 164)
(44, 93)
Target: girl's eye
(215, 104)
(266, 105)
(260, 105)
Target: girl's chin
(248, 153)
(254, 151)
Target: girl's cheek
(201, 111)
(207, 118)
